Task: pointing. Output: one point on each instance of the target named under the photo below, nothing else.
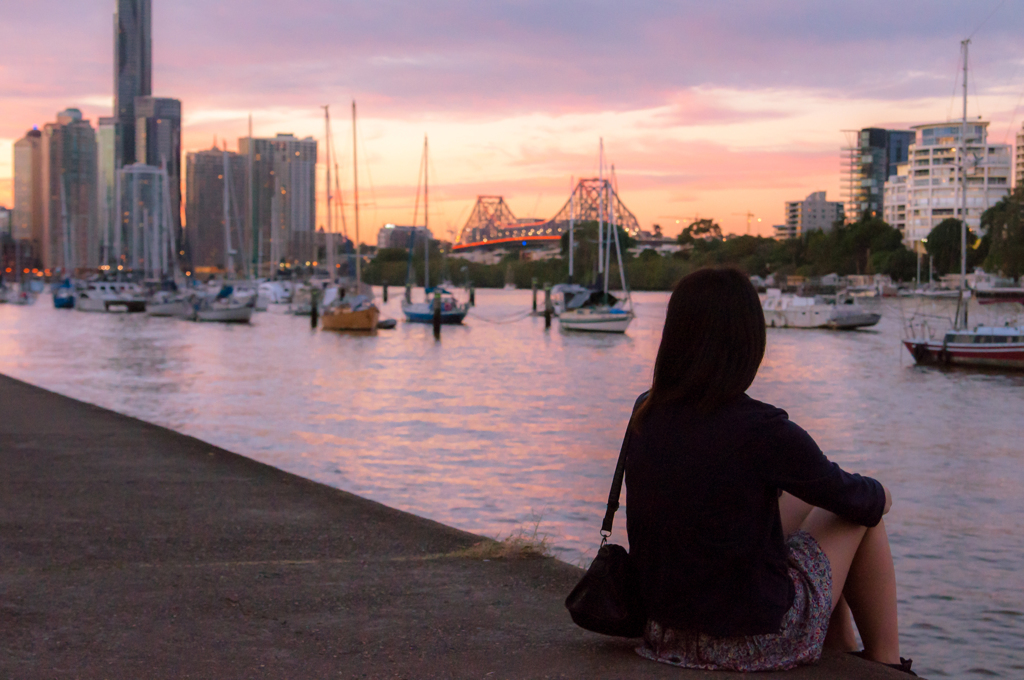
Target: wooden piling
(385, 296)
(533, 287)
(437, 314)
(547, 306)
(314, 304)
(472, 296)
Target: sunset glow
(704, 111)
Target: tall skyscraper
(133, 70)
(28, 189)
(70, 237)
(205, 233)
(106, 186)
(284, 197)
(158, 144)
(868, 161)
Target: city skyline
(720, 112)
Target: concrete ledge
(131, 551)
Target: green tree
(943, 245)
(705, 229)
(1005, 235)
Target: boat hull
(423, 312)
(176, 308)
(227, 315)
(64, 301)
(595, 322)
(346, 320)
(996, 355)
(819, 316)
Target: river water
(503, 427)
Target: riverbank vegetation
(868, 246)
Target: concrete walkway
(130, 551)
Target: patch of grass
(521, 543)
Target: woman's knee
(839, 539)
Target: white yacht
(110, 296)
(795, 311)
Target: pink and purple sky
(706, 109)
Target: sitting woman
(751, 548)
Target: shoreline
(131, 550)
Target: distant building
(144, 242)
(1018, 174)
(158, 143)
(106, 186)
(395, 236)
(205, 234)
(284, 197)
(28, 189)
(5, 222)
(868, 162)
(895, 211)
(814, 213)
(133, 71)
(932, 180)
(784, 232)
(70, 238)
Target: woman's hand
(888, 500)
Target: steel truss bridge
(492, 223)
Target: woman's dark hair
(712, 344)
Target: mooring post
(533, 286)
(408, 293)
(314, 311)
(472, 295)
(385, 292)
(437, 314)
(547, 305)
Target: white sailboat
(601, 312)
(452, 311)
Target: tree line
(867, 246)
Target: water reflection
(499, 425)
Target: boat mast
(963, 190)
(229, 265)
(572, 221)
(426, 219)
(600, 209)
(256, 241)
(329, 236)
(66, 226)
(355, 196)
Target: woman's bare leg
(871, 591)
(860, 558)
(841, 635)
(793, 512)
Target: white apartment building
(813, 213)
(932, 183)
(1018, 173)
(894, 211)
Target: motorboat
(301, 301)
(796, 311)
(18, 296)
(110, 296)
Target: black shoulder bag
(607, 598)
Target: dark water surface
(502, 426)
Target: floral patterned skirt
(799, 641)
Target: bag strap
(613, 494)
